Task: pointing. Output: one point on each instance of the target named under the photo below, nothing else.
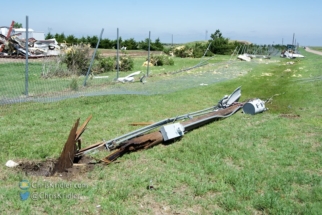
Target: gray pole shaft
(172, 39)
(93, 57)
(27, 52)
(147, 68)
(117, 54)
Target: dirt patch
(289, 116)
(46, 168)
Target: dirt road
(313, 51)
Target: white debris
(11, 163)
(100, 76)
(267, 74)
(129, 78)
(244, 57)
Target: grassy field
(317, 48)
(13, 78)
(269, 163)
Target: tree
(156, 46)
(60, 38)
(220, 44)
(17, 25)
(71, 39)
(130, 44)
(49, 36)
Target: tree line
(106, 43)
(218, 44)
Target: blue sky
(260, 22)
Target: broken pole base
(66, 158)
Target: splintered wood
(66, 159)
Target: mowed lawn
(269, 163)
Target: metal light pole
(147, 68)
(27, 52)
(117, 55)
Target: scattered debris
(297, 76)
(129, 78)
(11, 163)
(244, 57)
(254, 106)
(11, 46)
(291, 54)
(150, 186)
(267, 74)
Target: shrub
(160, 60)
(126, 63)
(106, 64)
(200, 49)
(183, 51)
(54, 67)
(73, 84)
(77, 58)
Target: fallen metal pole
(155, 138)
(115, 143)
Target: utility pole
(117, 54)
(172, 39)
(147, 68)
(206, 35)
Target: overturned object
(253, 107)
(291, 55)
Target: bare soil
(313, 51)
(45, 168)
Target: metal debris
(168, 130)
(11, 46)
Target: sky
(177, 21)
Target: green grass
(317, 48)
(13, 78)
(268, 163)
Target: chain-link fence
(15, 83)
(25, 79)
